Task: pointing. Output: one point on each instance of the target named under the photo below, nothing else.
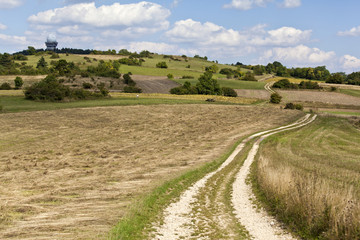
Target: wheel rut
(219, 205)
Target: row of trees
(207, 85)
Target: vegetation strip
(258, 225)
(144, 212)
(309, 179)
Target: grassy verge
(20, 104)
(351, 92)
(236, 84)
(310, 179)
(147, 210)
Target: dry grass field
(73, 173)
(311, 178)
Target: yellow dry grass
(72, 174)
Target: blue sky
(297, 33)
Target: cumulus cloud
(175, 3)
(2, 26)
(117, 16)
(355, 31)
(211, 34)
(291, 3)
(10, 3)
(350, 63)
(300, 55)
(246, 4)
(13, 40)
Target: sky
(297, 33)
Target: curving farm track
(219, 205)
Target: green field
(310, 179)
(236, 84)
(351, 92)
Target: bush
(185, 89)
(5, 86)
(128, 80)
(161, 65)
(87, 85)
(170, 76)
(54, 56)
(275, 98)
(229, 92)
(294, 106)
(18, 82)
(249, 77)
(283, 83)
(50, 89)
(132, 89)
(187, 77)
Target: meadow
(74, 173)
(310, 179)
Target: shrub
(187, 77)
(18, 82)
(170, 76)
(1, 108)
(132, 89)
(213, 68)
(229, 92)
(128, 80)
(161, 65)
(249, 77)
(185, 89)
(5, 86)
(333, 89)
(283, 83)
(54, 56)
(87, 85)
(294, 106)
(207, 85)
(275, 98)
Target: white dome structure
(51, 43)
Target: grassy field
(74, 173)
(14, 101)
(291, 79)
(310, 179)
(351, 92)
(236, 84)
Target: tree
(128, 80)
(42, 63)
(18, 82)
(275, 98)
(207, 85)
(161, 65)
(31, 50)
(213, 68)
(249, 76)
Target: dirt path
(206, 210)
(268, 87)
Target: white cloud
(355, 31)
(350, 63)
(72, 30)
(13, 40)
(300, 55)
(2, 26)
(143, 14)
(10, 3)
(211, 34)
(246, 4)
(175, 3)
(291, 3)
(153, 47)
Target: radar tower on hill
(51, 43)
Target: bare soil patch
(154, 84)
(317, 96)
(250, 93)
(72, 174)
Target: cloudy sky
(295, 32)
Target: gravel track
(182, 218)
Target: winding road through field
(219, 205)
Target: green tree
(161, 65)
(213, 68)
(18, 82)
(42, 63)
(275, 98)
(207, 85)
(31, 50)
(336, 78)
